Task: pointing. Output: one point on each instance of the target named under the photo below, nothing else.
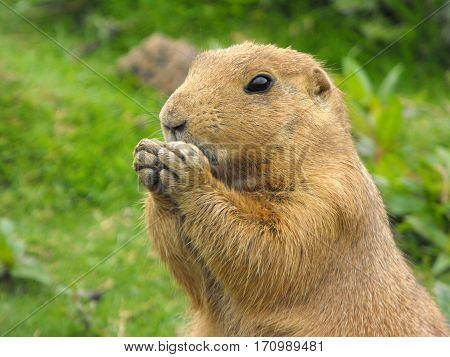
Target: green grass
(67, 186)
(70, 192)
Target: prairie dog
(263, 212)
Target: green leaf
(389, 123)
(403, 204)
(29, 269)
(388, 85)
(14, 259)
(392, 167)
(7, 249)
(442, 292)
(425, 227)
(356, 80)
(441, 264)
(360, 119)
(6, 253)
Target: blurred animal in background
(159, 62)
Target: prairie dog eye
(260, 83)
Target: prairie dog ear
(321, 83)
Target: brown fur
(276, 251)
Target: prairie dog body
(263, 212)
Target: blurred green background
(68, 195)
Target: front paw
(184, 167)
(147, 164)
(170, 168)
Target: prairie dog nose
(173, 115)
(174, 126)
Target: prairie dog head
(250, 96)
